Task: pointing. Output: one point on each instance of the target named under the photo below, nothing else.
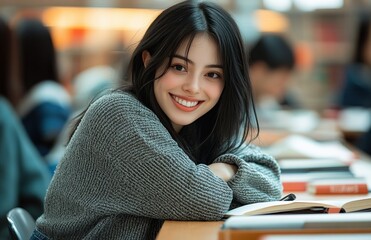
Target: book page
(349, 205)
(280, 206)
(358, 204)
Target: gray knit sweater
(122, 175)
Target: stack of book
(320, 176)
(316, 167)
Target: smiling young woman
(172, 144)
(193, 84)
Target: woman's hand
(223, 170)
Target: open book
(302, 207)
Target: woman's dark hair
(363, 33)
(225, 127)
(274, 51)
(36, 53)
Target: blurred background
(309, 63)
(322, 34)
(94, 32)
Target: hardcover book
(338, 186)
(298, 182)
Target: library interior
(309, 68)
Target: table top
(203, 230)
(189, 230)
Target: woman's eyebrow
(183, 58)
(191, 62)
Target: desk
(196, 230)
(181, 230)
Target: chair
(21, 224)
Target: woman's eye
(213, 75)
(178, 68)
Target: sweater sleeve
(139, 168)
(257, 178)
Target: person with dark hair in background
(169, 146)
(24, 176)
(9, 85)
(356, 89)
(36, 53)
(45, 108)
(355, 93)
(5, 39)
(271, 62)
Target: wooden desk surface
(181, 230)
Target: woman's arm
(128, 159)
(224, 171)
(257, 178)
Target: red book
(299, 182)
(294, 186)
(338, 186)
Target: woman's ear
(146, 57)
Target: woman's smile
(185, 104)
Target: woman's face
(193, 83)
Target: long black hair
(225, 127)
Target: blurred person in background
(271, 63)
(355, 94)
(356, 89)
(9, 85)
(45, 107)
(90, 84)
(24, 177)
(5, 40)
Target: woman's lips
(185, 104)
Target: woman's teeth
(184, 102)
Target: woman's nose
(192, 84)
